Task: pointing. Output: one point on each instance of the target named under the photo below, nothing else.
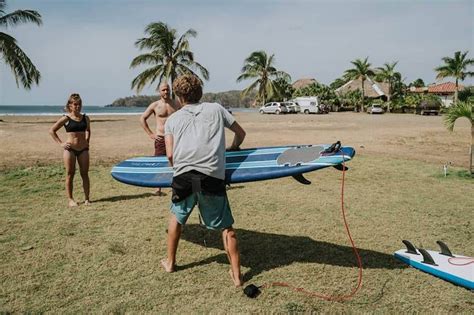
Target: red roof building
(444, 90)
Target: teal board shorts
(214, 209)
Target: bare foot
(72, 203)
(237, 282)
(167, 266)
(87, 203)
(159, 193)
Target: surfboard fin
(444, 249)
(340, 167)
(411, 249)
(300, 179)
(427, 259)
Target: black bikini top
(76, 126)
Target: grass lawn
(105, 258)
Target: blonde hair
(188, 87)
(73, 98)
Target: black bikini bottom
(77, 152)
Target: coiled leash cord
(252, 291)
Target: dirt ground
(24, 140)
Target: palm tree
(455, 68)
(361, 71)
(417, 83)
(169, 57)
(22, 67)
(459, 110)
(388, 74)
(258, 65)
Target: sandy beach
(25, 140)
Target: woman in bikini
(76, 147)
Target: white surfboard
(454, 268)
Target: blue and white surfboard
(241, 166)
(454, 268)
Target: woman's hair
(73, 98)
(188, 87)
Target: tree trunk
(389, 96)
(472, 149)
(363, 96)
(456, 93)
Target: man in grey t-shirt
(195, 146)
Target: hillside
(228, 98)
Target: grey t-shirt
(199, 138)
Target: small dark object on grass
(252, 291)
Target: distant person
(195, 146)
(161, 109)
(76, 146)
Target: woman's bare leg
(83, 160)
(70, 165)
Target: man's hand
(232, 148)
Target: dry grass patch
(105, 258)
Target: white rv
(308, 104)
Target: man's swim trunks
(160, 147)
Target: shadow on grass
(264, 251)
(123, 197)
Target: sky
(86, 46)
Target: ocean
(52, 110)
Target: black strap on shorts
(193, 181)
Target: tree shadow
(265, 251)
(124, 197)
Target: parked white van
(308, 104)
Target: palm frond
(249, 88)
(460, 110)
(19, 17)
(151, 59)
(22, 67)
(147, 77)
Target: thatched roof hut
(371, 89)
(301, 83)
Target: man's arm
(143, 118)
(239, 136)
(169, 143)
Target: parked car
(375, 109)
(273, 108)
(308, 104)
(293, 107)
(428, 107)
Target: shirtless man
(161, 109)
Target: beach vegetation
(457, 111)
(24, 71)
(260, 66)
(388, 74)
(228, 98)
(325, 93)
(338, 83)
(417, 83)
(457, 68)
(168, 56)
(361, 70)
